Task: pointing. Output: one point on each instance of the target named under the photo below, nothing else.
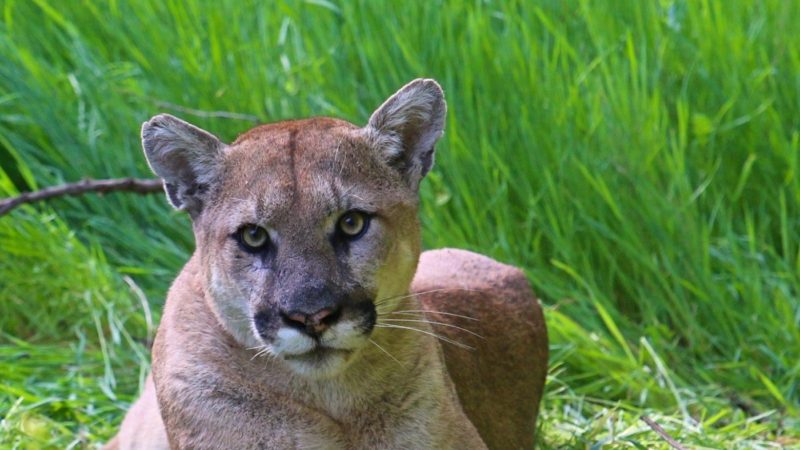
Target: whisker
(387, 353)
(416, 294)
(409, 301)
(262, 350)
(425, 312)
(430, 291)
(266, 352)
(436, 323)
(442, 338)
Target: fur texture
(314, 337)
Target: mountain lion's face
(309, 230)
(306, 230)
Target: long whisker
(425, 312)
(442, 338)
(416, 294)
(259, 353)
(435, 323)
(400, 297)
(407, 301)
(262, 350)
(387, 353)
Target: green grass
(639, 159)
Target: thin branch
(661, 432)
(139, 186)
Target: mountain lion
(296, 324)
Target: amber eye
(353, 223)
(253, 237)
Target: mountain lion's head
(305, 229)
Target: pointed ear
(187, 158)
(406, 127)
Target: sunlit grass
(638, 159)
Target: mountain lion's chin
(320, 363)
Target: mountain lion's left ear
(406, 127)
(187, 158)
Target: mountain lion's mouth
(320, 362)
(318, 354)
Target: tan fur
(500, 383)
(221, 381)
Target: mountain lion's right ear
(187, 158)
(406, 127)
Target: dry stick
(140, 186)
(657, 428)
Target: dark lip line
(317, 351)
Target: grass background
(639, 159)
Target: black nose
(312, 323)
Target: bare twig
(661, 432)
(139, 186)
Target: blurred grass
(638, 159)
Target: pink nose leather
(313, 322)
